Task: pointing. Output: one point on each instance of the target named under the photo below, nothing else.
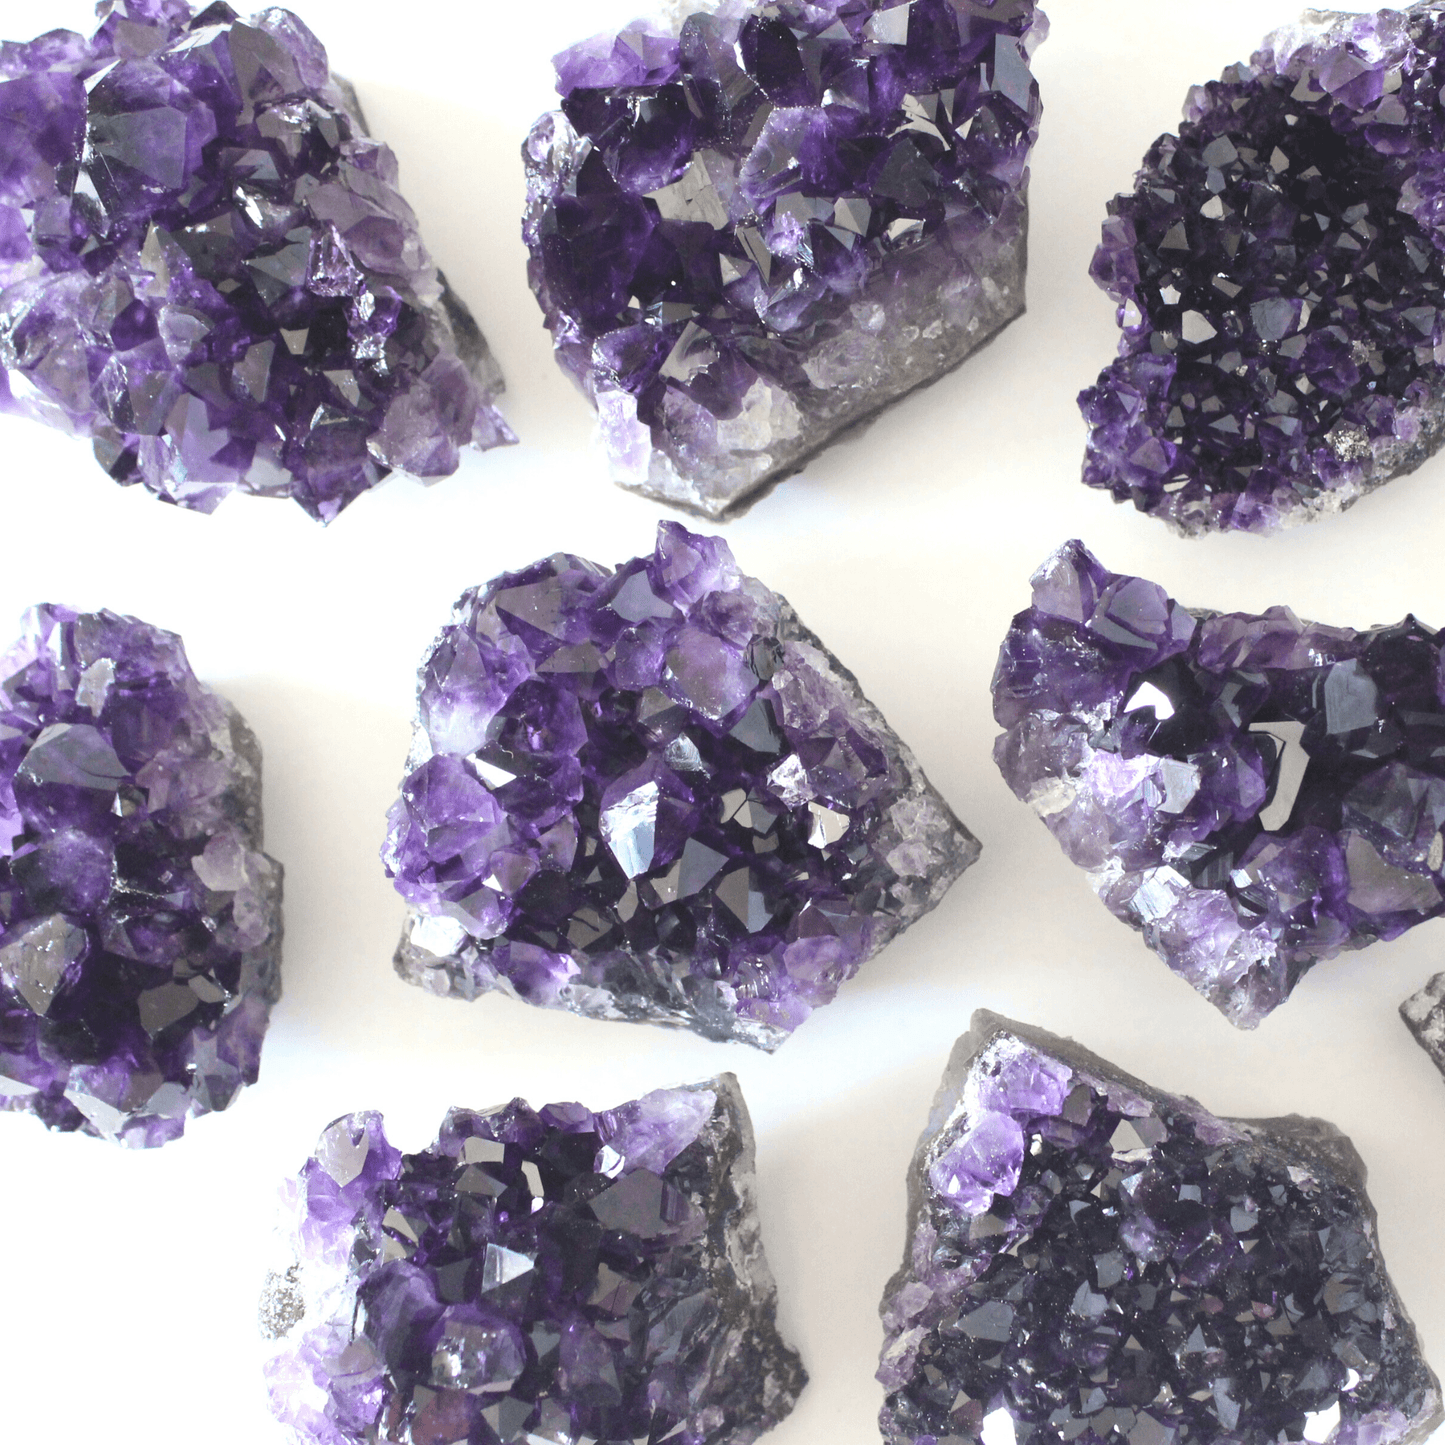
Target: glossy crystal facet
(140, 923)
(758, 227)
(548, 1277)
(1090, 1259)
(206, 266)
(652, 793)
(1279, 274)
(1253, 793)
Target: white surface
(131, 1279)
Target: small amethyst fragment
(140, 924)
(1093, 1260)
(1253, 794)
(1280, 279)
(1424, 1015)
(761, 226)
(653, 794)
(556, 1277)
(206, 267)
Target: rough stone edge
(1424, 1015)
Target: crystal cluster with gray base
(1254, 793)
(1280, 279)
(207, 268)
(755, 228)
(1092, 1260)
(653, 794)
(140, 923)
(1424, 1015)
(553, 1277)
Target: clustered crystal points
(749, 232)
(1254, 793)
(551, 1277)
(206, 267)
(140, 924)
(651, 793)
(1279, 274)
(1090, 1259)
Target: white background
(130, 1279)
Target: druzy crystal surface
(1424, 1015)
(1090, 1259)
(1280, 279)
(1252, 793)
(762, 225)
(206, 267)
(651, 793)
(554, 1277)
(140, 924)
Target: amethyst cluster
(1280, 281)
(205, 266)
(1091, 1260)
(140, 924)
(1252, 793)
(749, 232)
(1424, 1015)
(556, 1277)
(651, 793)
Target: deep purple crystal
(1092, 1260)
(1424, 1015)
(552, 1277)
(140, 924)
(1279, 273)
(205, 266)
(750, 232)
(1253, 793)
(652, 793)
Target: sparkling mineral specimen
(140, 924)
(1280, 280)
(1253, 793)
(556, 1277)
(1090, 1259)
(751, 231)
(1424, 1015)
(652, 793)
(205, 265)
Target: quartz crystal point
(753, 229)
(1280, 281)
(556, 1277)
(1252, 793)
(1424, 1015)
(653, 794)
(205, 266)
(1090, 1259)
(140, 924)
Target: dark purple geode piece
(1424, 1015)
(556, 1277)
(205, 266)
(1092, 1260)
(653, 794)
(1280, 280)
(140, 924)
(757, 228)
(1253, 794)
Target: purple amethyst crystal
(1280, 279)
(758, 228)
(206, 267)
(653, 794)
(140, 924)
(1253, 794)
(1090, 1259)
(1424, 1015)
(556, 1277)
